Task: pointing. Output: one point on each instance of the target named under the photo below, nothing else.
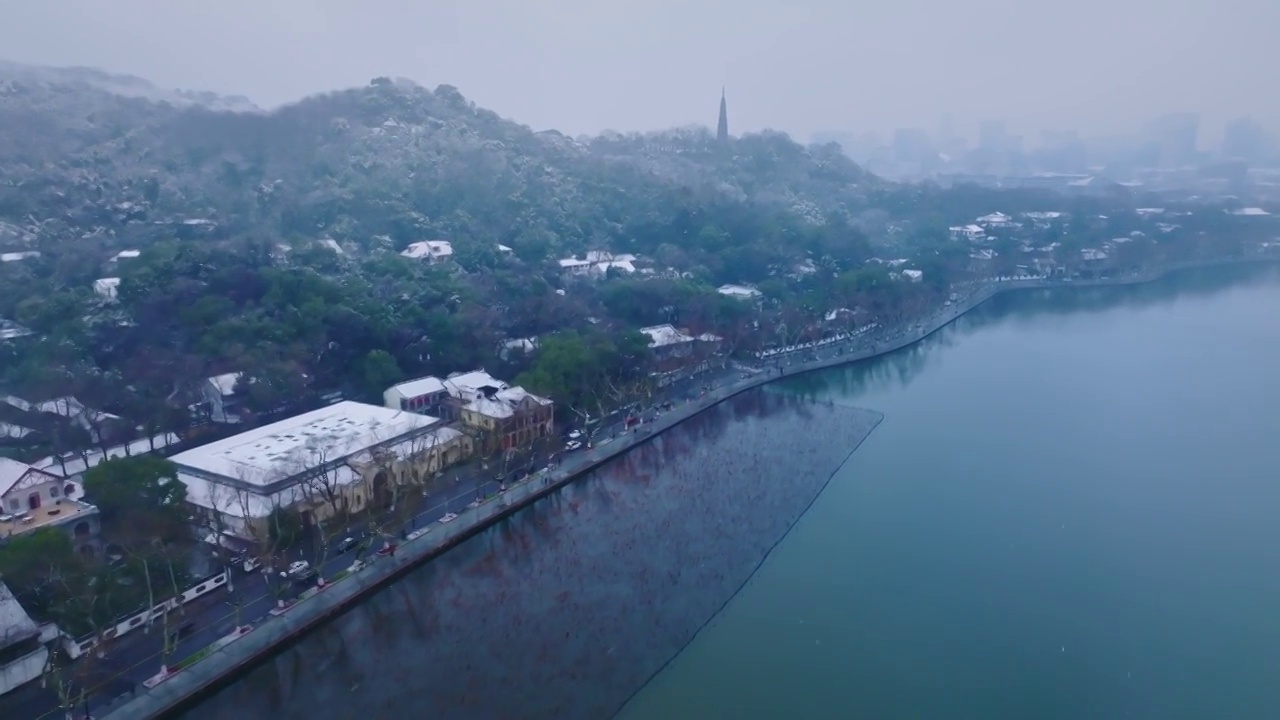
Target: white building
(18, 256)
(667, 340)
(126, 255)
(995, 219)
(343, 457)
(913, 275)
(598, 262)
(422, 395)
(219, 393)
(107, 288)
(742, 292)
(430, 250)
(22, 655)
(972, 233)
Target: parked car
(575, 434)
(347, 545)
(572, 445)
(250, 564)
(300, 571)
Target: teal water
(1071, 510)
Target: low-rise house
(971, 233)
(598, 262)
(742, 292)
(346, 457)
(425, 396)
(126, 255)
(913, 275)
(517, 346)
(72, 466)
(22, 655)
(995, 219)
(430, 250)
(219, 393)
(10, 330)
(107, 288)
(509, 418)
(667, 342)
(32, 498)
(505, 416)
(19, 256)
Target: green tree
(381, 371)
(140, 498)
(39, 567)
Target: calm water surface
(1071, 510)
(565, 609)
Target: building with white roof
(667, 341)
(108, 288)
(995, 219)
(18, 256)
(429, 250)
(972, 233)
(32, 498)
(22, 655)
(502, 415)
(126, 255)
(340, 458)
(219, 393)
(598, 262)
(742, 292)
(424, 395)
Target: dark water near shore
(564, 610)
(1070, 511)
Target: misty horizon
(812, 68)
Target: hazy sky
(803, 65)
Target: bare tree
(85, 604)
(321, 487)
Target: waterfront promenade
(224, 665)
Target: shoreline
(223, 667)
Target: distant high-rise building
(722, 127)
(991, 136)
(1245, 138)
(1177, 136)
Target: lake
(1071, 510)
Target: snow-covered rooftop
(504, 403)
(466, 385)
(225, 384)
(15, 624)
(664, 335)
(107, 287)
(419, 387)
(429, 249)
(72, 464)
(738, 291)
(271, 453)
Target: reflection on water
(567, 608)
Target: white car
(574, 434)
(301, 570)
(572, 445)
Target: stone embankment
(222, 667)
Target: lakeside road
(691, 395)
